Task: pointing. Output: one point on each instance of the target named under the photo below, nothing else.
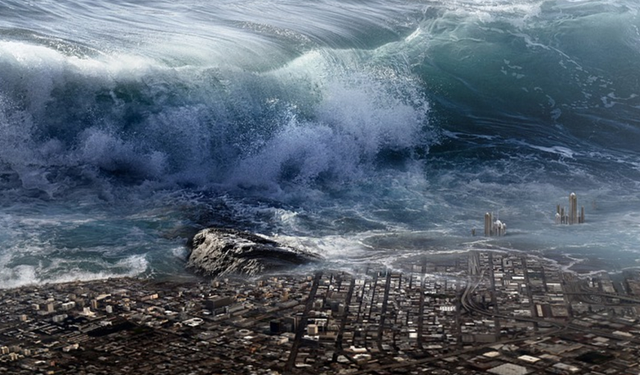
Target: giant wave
(368, 131)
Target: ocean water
(366, 131)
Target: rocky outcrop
(216, 252)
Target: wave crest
(133, 119)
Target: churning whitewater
(365, 131)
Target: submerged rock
(217, 251)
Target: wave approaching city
(361, 131)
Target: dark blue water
(363, 130)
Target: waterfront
(468, 313)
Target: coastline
(426, 315)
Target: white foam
(560, 150)
(517, 12)
(358, 115)
(332, 248)
(108, 152)
(64, 271)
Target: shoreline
(373, 320)
(583, 267)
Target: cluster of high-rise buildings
(563, 216)
(493, 228)
(571, 216)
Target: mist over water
(366, 131)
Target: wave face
(366, 131)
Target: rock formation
(216, 252)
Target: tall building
(570, 216)
(573, 208)
(493, 228)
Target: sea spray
(367, 131)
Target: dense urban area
(468, 313)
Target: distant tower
(491, 228)
(573, 209)
(499, 228)
(487, 224)
(570, 216)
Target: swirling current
(366, 131)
